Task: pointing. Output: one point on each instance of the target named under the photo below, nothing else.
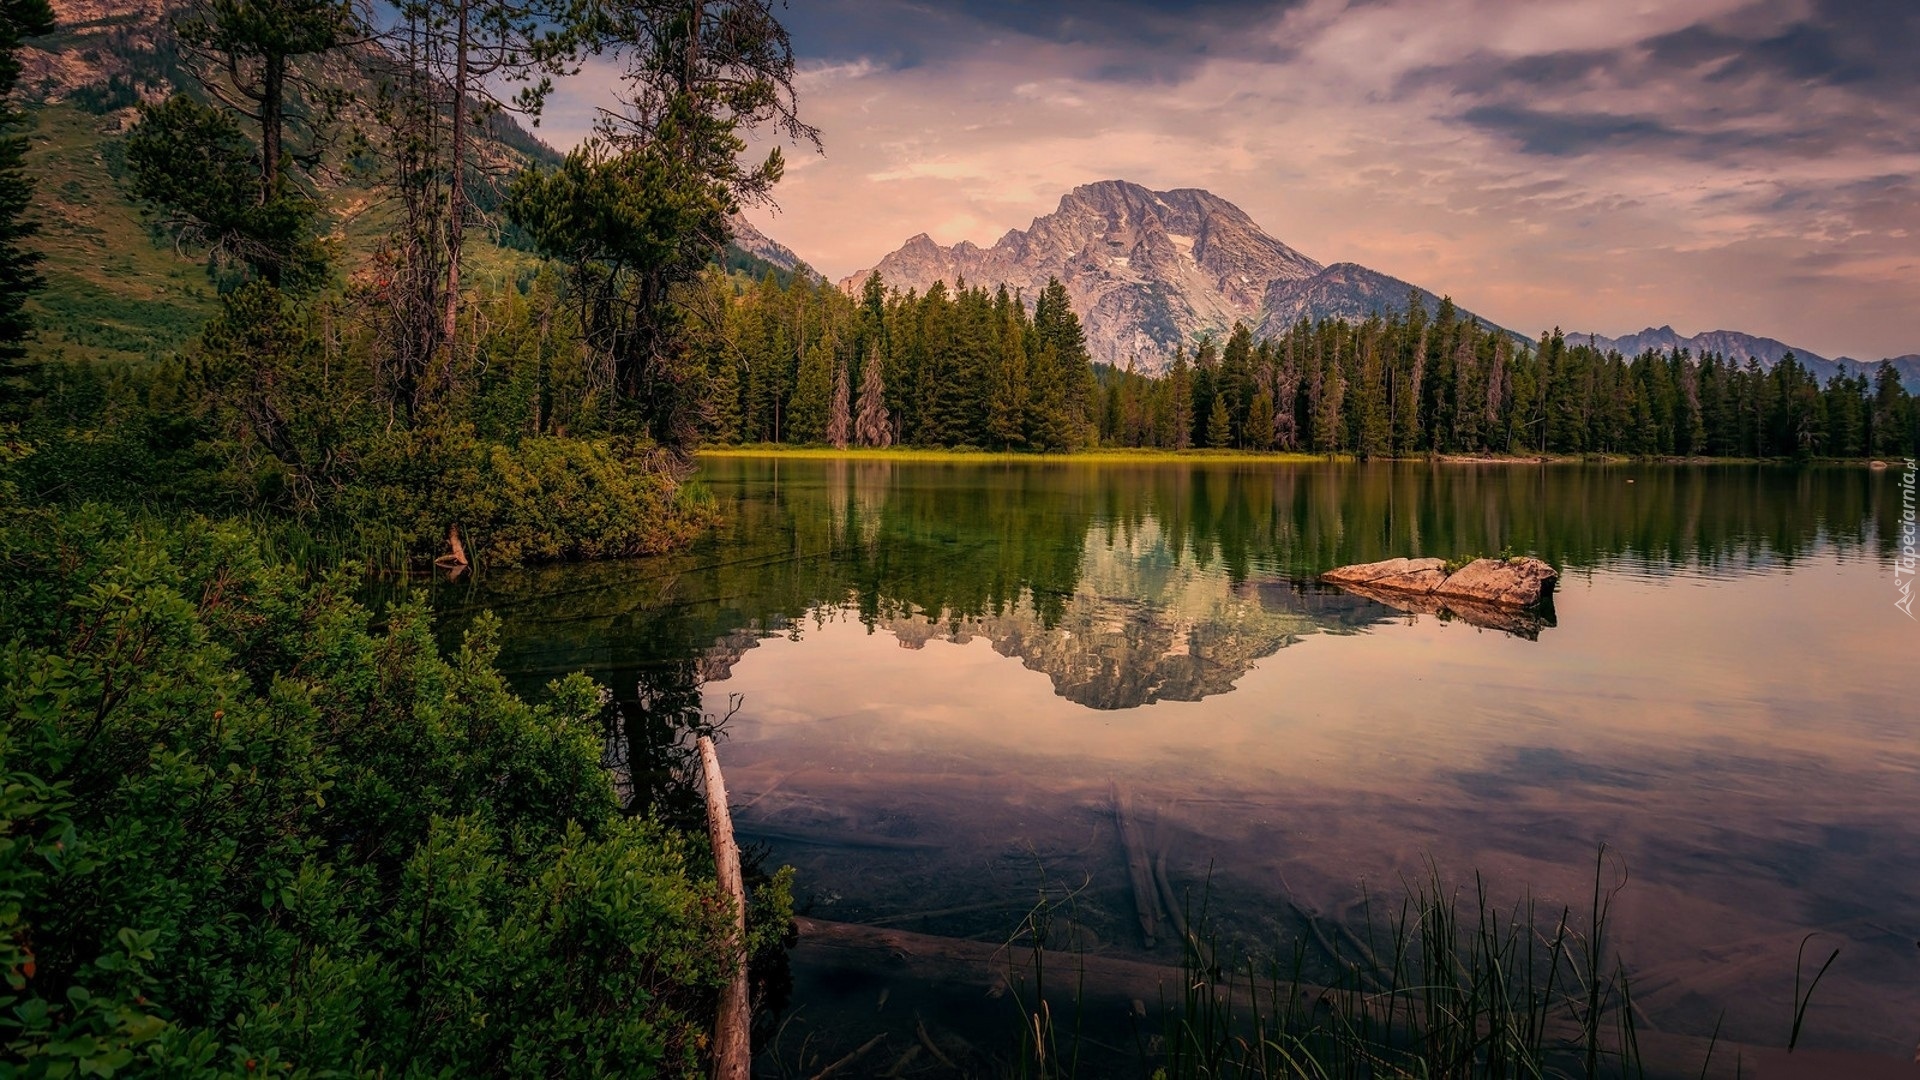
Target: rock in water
(1518, 582)
(1418, 576)
(1514, 595)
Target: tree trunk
(457, 183)
(273, 109)
(732, 1041)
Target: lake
(943, 677)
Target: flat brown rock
(1500, 582)
(1498, 594)
(1400, 575)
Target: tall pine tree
(873, 427)
(19, 20)
(840, 416)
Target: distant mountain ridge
(1736, 346)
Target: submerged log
(839, 838)
(846, 1062)
(732, 1042)
(1176, 909)
(1146, 900)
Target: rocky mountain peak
(1147, 270)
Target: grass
(1452, 985)
(115, 293)
(1153, 456)
(1101, 456)
(112, 293)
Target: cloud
(1593, 164)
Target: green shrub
(542, 499)
(242, 831)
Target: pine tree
(1370, 401)
(1007, 410)
(1180, 395)
(1219, 425)
(1050, 425)
(1890, 406)
(839, 418)
(212, 184)
(1260, 426)
(812, 396)
(19, 19)
(874, 427)
(1236, 381)
(1059, 330)
(1328, 407)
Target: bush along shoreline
(243, 832)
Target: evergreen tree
(840, 417)
(1236, 381)
(1370, 398)
(874, 427)
(1329, 403)
(1260, 421)
(1068, 368)
(637, 213)
(812, 396)
(1219, 426)
(1007, 419)
(19, 20)
(1890, 406)
(1408, 379)
(1180, 402)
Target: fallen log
(732, 1042)
(1146, 902)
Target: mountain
(751, 242)
(1734, 345)
(1908, 366)
(1148, 271)
(1341, 291)
(1151, 270)
(1766, 350)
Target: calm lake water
(944, 674)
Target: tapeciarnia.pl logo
(1905, 564)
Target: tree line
(1414, 383)
(801, 362)
(970, 366)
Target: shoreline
(1133, 456)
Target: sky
(1597, 166)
